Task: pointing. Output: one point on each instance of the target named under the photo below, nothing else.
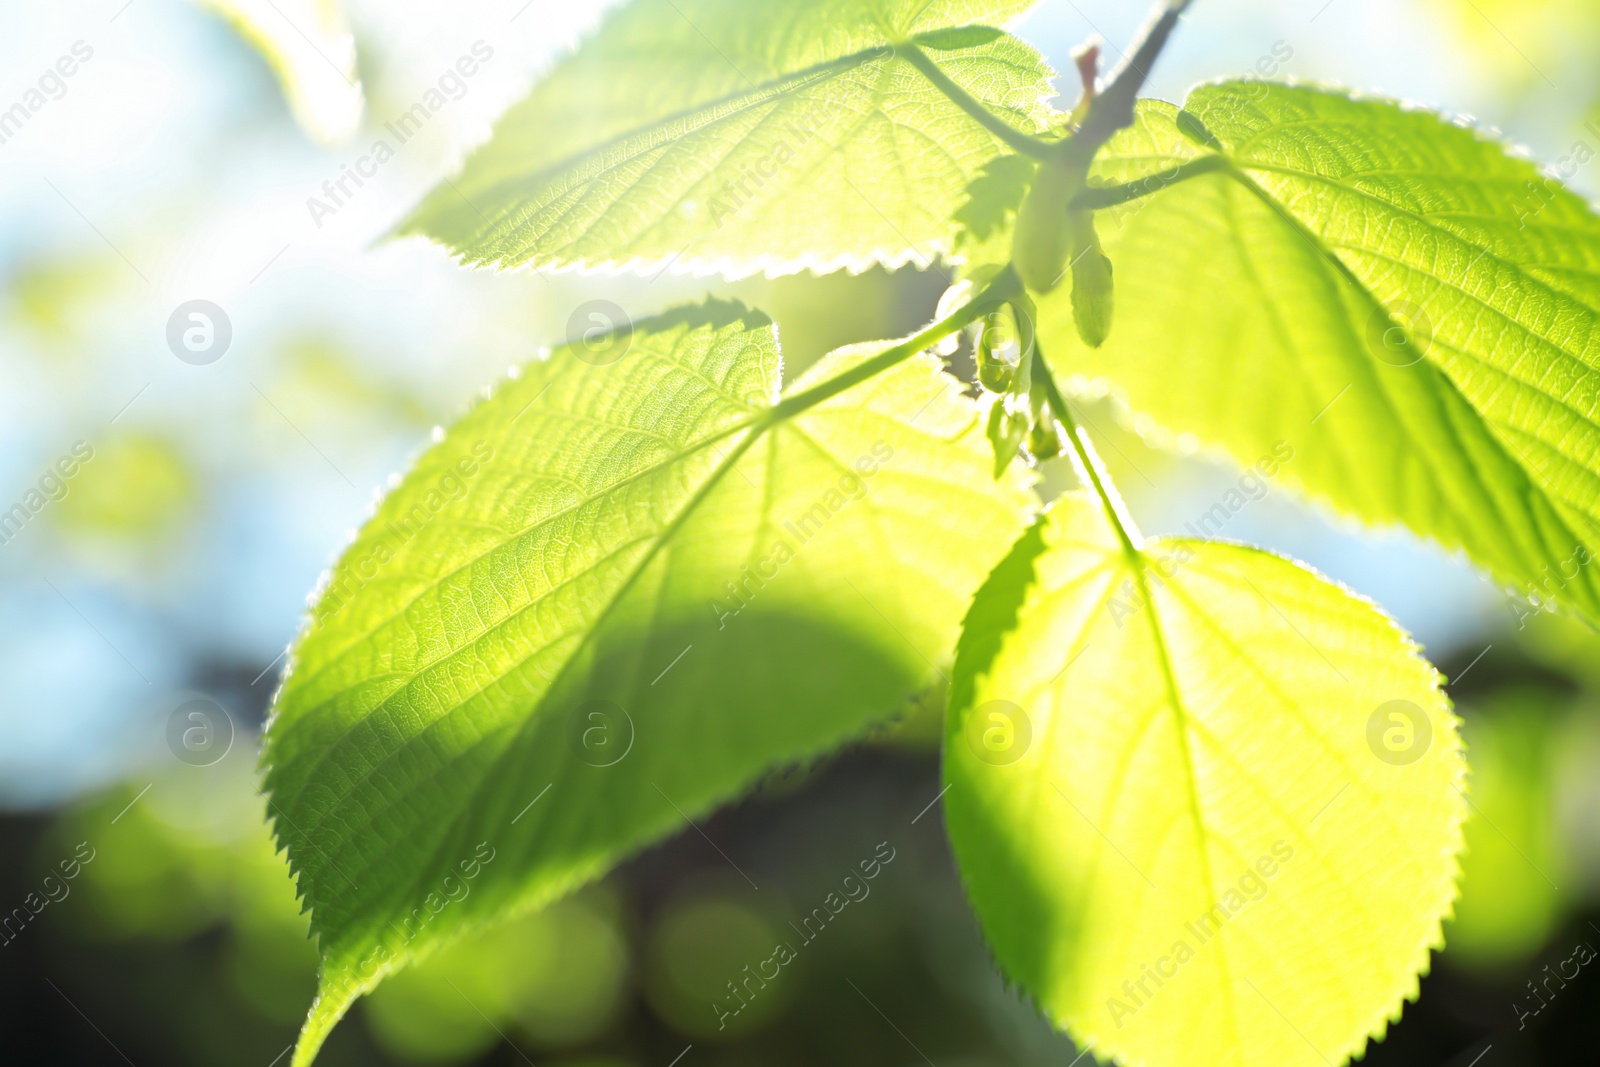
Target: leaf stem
(1111, 110)
(1003, 288)
(1091, 470)
(1025, 143)
(1099, 197)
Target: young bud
(1042, 241)
(1091, 281)
(1005, 430)
(1044, 440)
(997, 354)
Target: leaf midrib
(1585, 371)
(768, 427)
(1485, 252)
(771, 87)
(659, 542)
(1336, 874)
(759, 423)
(1137, 562)
(1298, 226)
(750, 96)
(1449, 493)
(333, 657)
(509, 226)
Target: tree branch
(1112, 109)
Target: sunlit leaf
(737, 137)
(1411, 310)
(1204, 801)
(611, 597)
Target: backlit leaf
(611, 597)
(721, 135)
(1409, 308)
(1204, 801)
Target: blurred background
(144, 917)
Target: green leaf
(993, 198)
(1093, 295)
(1409, 308)
(1178, 805)
(610, 598)
(720, 135)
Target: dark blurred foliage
(179, 942)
